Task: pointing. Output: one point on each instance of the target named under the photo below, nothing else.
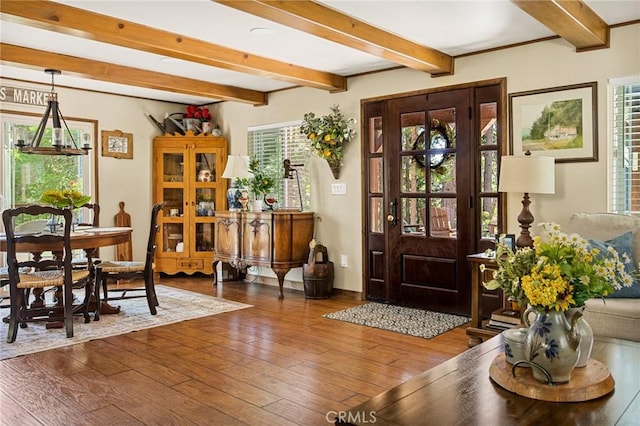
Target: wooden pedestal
(589, 382)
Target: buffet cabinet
(187, 178)
(278, 240)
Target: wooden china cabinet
(187, 177)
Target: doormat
(175, 305)
(414, 322)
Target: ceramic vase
(586, 336)
(552, 345)
(256, 206)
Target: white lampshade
(527, 174)
(237, 167)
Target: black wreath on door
(439, 140)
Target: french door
(431, 195)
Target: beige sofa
(613, 317)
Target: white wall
(118, 179)
(579, 186)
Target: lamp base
(526, 219)
(233, 198)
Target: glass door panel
(443, 217)
(172, 237)
(205, 204)
(376, 142)
(173, 199)
(205, 236)
(205, 165)
(412, 177)
(413, 216)
(377, 215)
(488, 185)
(375, 175)
(173, 167)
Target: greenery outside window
(271, 145)
(26, 176)
(624, 189)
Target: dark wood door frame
(376, 252)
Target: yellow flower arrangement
(328, 134)
(65, 198)
(560, 272)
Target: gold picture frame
(117, 144)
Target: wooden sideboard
(278, 240)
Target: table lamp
(531, 175)
(237, 168)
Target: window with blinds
(625, 145)
(271, 145)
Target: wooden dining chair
(41, 272)
(93, 211)
(124, 270)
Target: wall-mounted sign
(20, 95)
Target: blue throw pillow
(622, 244)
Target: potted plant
(328, 135)
(260, 184)
(194, 116)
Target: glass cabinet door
(173, 197)
(206, 172)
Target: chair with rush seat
(125, 270)
(37, 272)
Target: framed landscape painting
(559, 122)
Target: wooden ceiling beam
(322, 21)
(78, 22)
(105, 71)
(572, 20)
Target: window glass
(26, 176)
(271, 145)
(625, 145)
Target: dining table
(89, 239)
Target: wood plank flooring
(278, 363)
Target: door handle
(393, 212)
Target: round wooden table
(88, 240)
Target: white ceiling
(451, 26)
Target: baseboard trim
(299, 286)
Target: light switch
(339, 188)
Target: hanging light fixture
(58, 144)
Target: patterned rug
(414, 322)
(175, 305)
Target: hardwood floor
(278, 363)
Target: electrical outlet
(343, 261)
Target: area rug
(414, 322)
(175, 305)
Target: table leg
(215, 272)
(280, 273)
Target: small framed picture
(508, 240)
(117, 144)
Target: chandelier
(61, 143)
